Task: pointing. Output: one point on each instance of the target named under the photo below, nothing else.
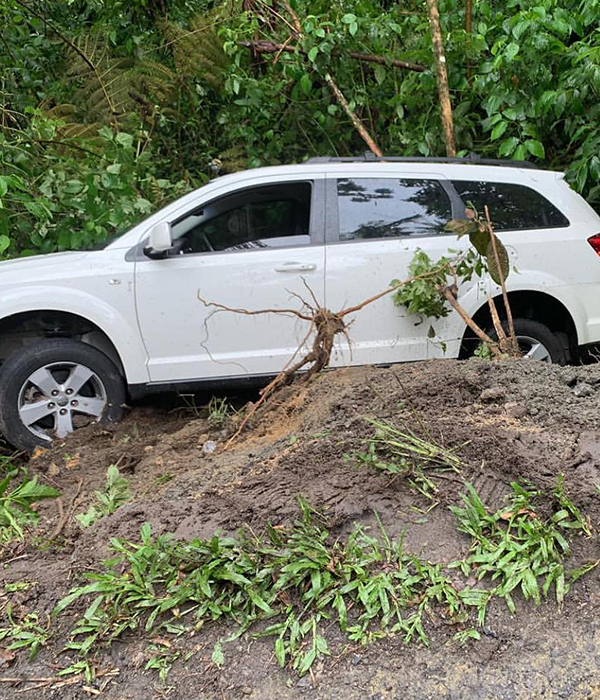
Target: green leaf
(73, 186)
(520, 152)
(511, 50)
(493, 267)
(307, 661)
(461, 227)
(218, 657)
(312, 54)
(480, 240)
(380, 73)
(536, 148)
(499, 130)
(4, 243)
(306, 84)
(280, 651)
(123, 139)
(3, 186)
(349, 18)
(353, 28)
(508, 146)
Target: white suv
(82, 331)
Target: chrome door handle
(295, 267)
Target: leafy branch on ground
(403, 453)
(115, 494)
(296, 574)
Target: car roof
(452, 168)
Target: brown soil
(515, 420)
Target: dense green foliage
(108, 108)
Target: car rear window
(512, 207)
(391, 208)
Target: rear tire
(55, 386)
(537, 341)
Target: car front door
(257, 247)
(375, 224)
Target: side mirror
(160, 241)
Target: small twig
(8, 679)
(246, 312)
(266, 46)
(61, 520)
(282, 49)
(294, 16)
(10, 561)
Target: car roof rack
(471, 159)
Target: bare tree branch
(266, 46)
(514, 347)
(442, 77)
(358, 125)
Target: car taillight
(594, 241)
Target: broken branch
(266, 46)
(358, 125)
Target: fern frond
(198, 50)
(104, 81)
(152, 83)
(70, 126)
(233, 159)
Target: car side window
(391, 208)
(512, 207)
(270, 216)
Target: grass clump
(519, 548)
(17, 512)
(219, 411)
(293, 577)
(25, 633)
(115, 494)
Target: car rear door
(375, 223)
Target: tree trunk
(442, 77)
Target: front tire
(53, 387)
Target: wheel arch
(21, 328)
(529, 304)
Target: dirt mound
(512, 421)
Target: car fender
(530, 281)
(122, 332)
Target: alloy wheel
(60, 397)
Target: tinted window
(512, 207)
(261, 217)
(390, 208)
